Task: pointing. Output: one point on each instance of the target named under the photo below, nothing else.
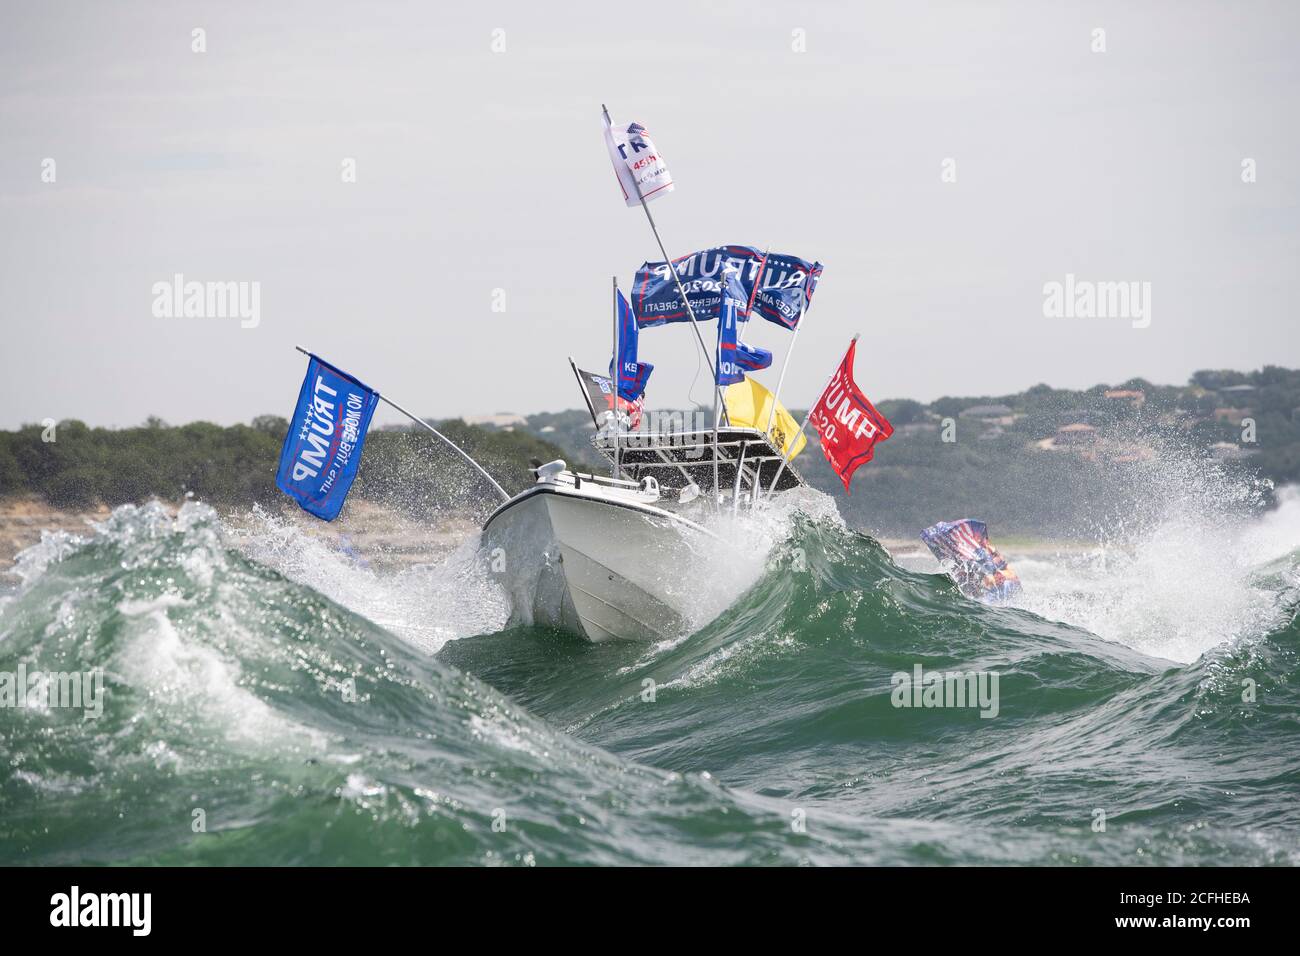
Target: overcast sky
(479, 170)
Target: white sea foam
(426, 604)
(724, 567)
(1175, 587)
(194, 682)
(163, 601)
(430, 604)
(1190, 573)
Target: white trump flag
(637, 163)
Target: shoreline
(1019, 545)
(24, 518)
(384, 538)
(381, 536)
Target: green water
(249, 719)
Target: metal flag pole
(423, 424)
(735, 318)
(618, 376)
(740, 470)
(749, 306)
(749, 311)
(762, 268)
(717, 358)
(785, 457)
(672, 269)
(785, 364)
(776, 396)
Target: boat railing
(605, 480)
(745, 457)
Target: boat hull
(601, 569)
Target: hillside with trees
(1041, 462)
(1047, 461)
(77, 467)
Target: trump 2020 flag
(848, 424)
(632, 375)
(641, 171)
(322, 450)
(778, 287)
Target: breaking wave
(271, 699)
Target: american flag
(982, 572)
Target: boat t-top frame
(746, 459)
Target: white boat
(618, 557)
(621, 557)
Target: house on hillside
(1074, 435)
(986, 411)
(1134, 396)
(1127, 453)
(506, 421)
(1227, 451)
(917, 428)
(993, 415)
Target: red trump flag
(848, 424)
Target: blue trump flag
(735, 358)
(732, 301)
(784, 288)
(751, 358)
(777, 287)
(632, 375)
(322, 450)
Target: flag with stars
(641, 171)
(777, 287)
(322, 449)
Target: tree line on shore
(1055, 462)
(74, 466)
(1044, 461)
